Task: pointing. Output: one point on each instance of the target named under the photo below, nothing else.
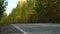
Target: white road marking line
(39, 24)
(19, 29)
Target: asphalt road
(31, 29)
(8, 29)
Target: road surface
(31, 29)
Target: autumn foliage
(36, 11)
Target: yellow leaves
(22, 2)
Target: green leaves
(36, 11)
(2, 7)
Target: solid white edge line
(19, 29)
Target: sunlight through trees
(36, 11)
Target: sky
(11, 4)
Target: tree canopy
(2, 7)
(35, 11)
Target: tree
(4, 19)
(18, 14)
(23, 12)
(2, 7)
(36, 11)
(41, 9)
(48, 10)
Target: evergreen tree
(2, 7)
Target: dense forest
(34, 11)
